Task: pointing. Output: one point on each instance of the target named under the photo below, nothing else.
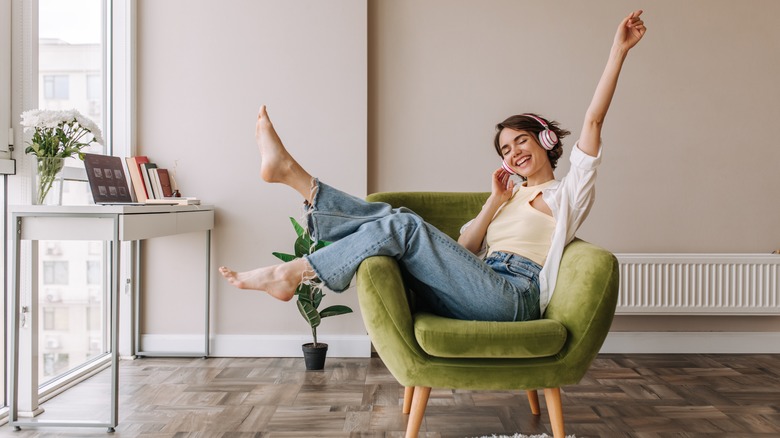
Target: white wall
(204, 69)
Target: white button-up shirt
(570, 200)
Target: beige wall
(204, 69)
(690, 154)
(690, 157)
(689, 163)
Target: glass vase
(48, 183)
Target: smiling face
(522, 152)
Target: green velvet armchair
(422, 350)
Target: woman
(525, 229)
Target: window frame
(18, 82)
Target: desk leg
(13, 389)
(126, 297)
(28, 365)
(115, 280)
(137, 298)
(23, 369)
(208, 290)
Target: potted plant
(309, 297)
(57, 135)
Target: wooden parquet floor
(643, 396)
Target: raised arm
(628, 34)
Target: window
(56, 87)
(95, 248)
(56, 318)
(94, 321)
(5, 130)
(55, 364)
(94, 87)
(64, 61)
(72, 58)
(94, 271)
(72, 305)
(55, 272)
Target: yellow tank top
(521, 229)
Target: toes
(226, 272)
(262, 114)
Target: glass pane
(72, 286)
(70, 68)
(72, 311)
(70, 64)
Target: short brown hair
(523, 122)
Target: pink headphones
(547, 138)
(507, 168)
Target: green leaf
(309, 313)
(317, 297)
(310, 294)
(284, 257)
(334, 311)
(304, 292)
(303, 246)
(298, 228)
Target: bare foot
(277, 165)
(279, 281)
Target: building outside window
(94, 272)
(56, 87)
(55, 363)
(72, 310)
(55, 272)
(71, 74)
(56, 319)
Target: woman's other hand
(630, 31)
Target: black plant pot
(315, 356)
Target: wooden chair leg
(533, 400)
(419, 402)
(553, 398)
(408, 394)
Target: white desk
(115, 224)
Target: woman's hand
(628, 34)
(630, 31)
(503, 186)
(474, 234)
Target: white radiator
(699, 284)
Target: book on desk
(148, 183)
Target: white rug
(519, 435)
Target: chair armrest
(386, 314)
(584, 300)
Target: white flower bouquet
(57, 135)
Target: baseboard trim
(692, 342)
(360, 346)
(256, 345)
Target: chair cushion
(445, 337)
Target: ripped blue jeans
(449, 279)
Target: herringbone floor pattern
(643, 396)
